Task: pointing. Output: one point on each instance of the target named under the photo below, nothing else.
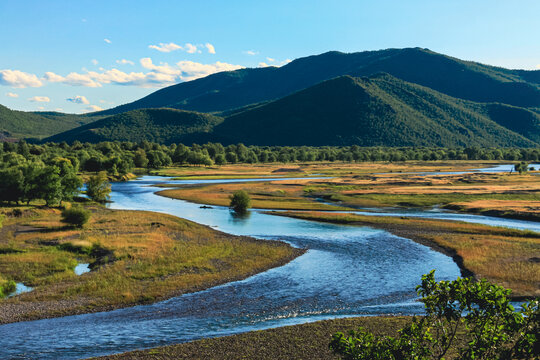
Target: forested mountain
(379, 110)
(375, 111)
(19, 124)
(157, 125)
(451, 76)
(394, 97)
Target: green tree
(98, 187)
(482, 311)
(240, 202)
(521, 167)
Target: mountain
(21, 124)
(457, 78)
(157, 125)
(380, 110)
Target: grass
(264, 195)
(507, 257)
(136, 257)
(368, 185)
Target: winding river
(347, 271)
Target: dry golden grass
(504, 256)
(287, 194)
(144, 257)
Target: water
(347, 271)
(19, 289)
(492, 169)
(81, 268)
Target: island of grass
(136, 257)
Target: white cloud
(190, 48)
(211, 49)
(123, 62)
(166, 47)
(538, 66)
(250, 52)
(74, 79)
(19, 79)
(59, 109)
(39, 99)
(79, 99)
(107, 41)
(94, 108)
(284, 62)
(12, 95)
(41, 108)
(94, 61)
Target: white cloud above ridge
(250, 52)
(92, 108)
(12, 95)
(538, 66)
(107, 41)
(78, 99)
(124, 62)
(94, 61)
(19, 79)
(166, 48)
(211, 49)
(39, 99)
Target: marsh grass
(136, 257)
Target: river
(347, 271)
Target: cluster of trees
(120, 158)
(25, 180)
(469, 319)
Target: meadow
(135, 257)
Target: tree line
(49, 171)
(119, 158)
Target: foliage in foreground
(76, 216)
(491, 326)
(240, 201)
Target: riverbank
(506, 257)
(305, 341)
(136, 258)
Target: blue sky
(78, 56)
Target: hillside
(451, 76)
(380, 110)
(21, 124)
(158, 125)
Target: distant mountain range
(394, 97)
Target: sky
(78, 56)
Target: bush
(240, 202)
(7, 287)
(76, 216)
(479, 311)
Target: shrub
(240, 201)
(7, 287)
(491, 328)
(76, 216)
